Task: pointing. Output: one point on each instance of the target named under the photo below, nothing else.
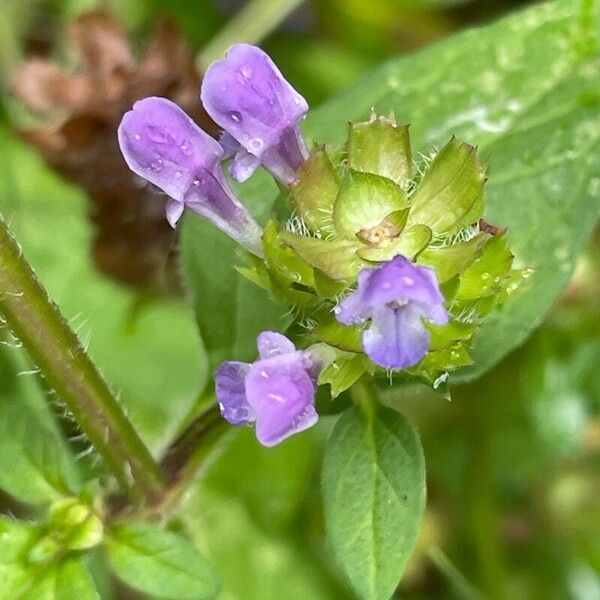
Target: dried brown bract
(81, 112)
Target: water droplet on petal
(186, 148)
(137, 136)
(408, 280)
(256, 144)
(235, 116)
(156, 165)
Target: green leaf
(283, 260)
(271, 482)
(381, 147)
(160, 563)
(364, 201)
(336, 258)
(74, 581)
(15, 540)
(374, 496)
(340, 336)
(230, 310)
(451, 260)
(252, 563)
(526, 91)
(450, 194)
(66, 580)
(315, 191)
(35, 463)
(342, 373)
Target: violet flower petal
(397, 337)
(231, 395)
(282, 395)
(246, 94)
(174, 210)
(401, 280)
(353, 309)
(164, 146)
(271, 343)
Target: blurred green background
(513, 460)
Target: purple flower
(277, 392)
(246, 94)
(396, 296)
(164, 146)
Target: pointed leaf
(381, 147)
(451, 260)
(450, 194)
(374, 495)
(160, 563)
(336, 258)
(314, 192)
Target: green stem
(251, 24)
(56, 350)
(462, 588)
(188, 452)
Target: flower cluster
(388, 268)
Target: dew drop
(485, 276)
(235, 116)
(256, 144)
(186, 148)
(454, 354)
(156, 165)
(196, 182)
(137, 136)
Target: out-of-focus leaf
(160, 563)
(15, 539)
(148, 349)
(230, 310)
(252, 564)
(35, 464)
(374, 495)
(270, 482)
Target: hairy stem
(251, 24)
(56, 350)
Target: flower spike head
(277, 392)
(246, 94)
(396, 296)
(162, 144)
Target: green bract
(366, 203)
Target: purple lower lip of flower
(397, 297)
(277, 392)
(247, 95)
(162, 144)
